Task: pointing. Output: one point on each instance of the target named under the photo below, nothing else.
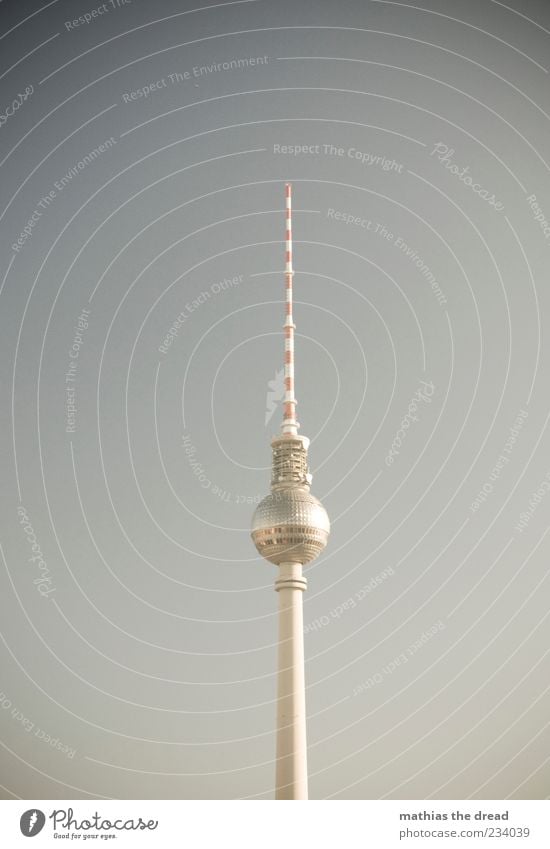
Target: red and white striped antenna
(290, 425)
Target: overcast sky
(143, 154)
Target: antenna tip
(288, 189)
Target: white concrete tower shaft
(291, 770)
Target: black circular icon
(32, 822)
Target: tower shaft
(291, 771)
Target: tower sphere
(290, 525)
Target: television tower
(290, 527)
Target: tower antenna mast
(290, 425)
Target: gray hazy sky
(138, 647)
